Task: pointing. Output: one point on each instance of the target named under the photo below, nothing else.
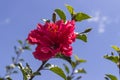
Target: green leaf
(78, 60)
(82, 37)
(54, 17)
(13, 59)
(15, 72)
(116, 48)
(8, 78)
(106, 78)
(48, 65)
(1, 79)
(59, 72)
(61, 14)
(66, 58)
(76, 57)
(22, 60)
(81, 61)
(87, 30)
(66, 68)
(27, 47)
(70, 9)
(112, 77)
(114, 59)
(80, 71)
(36, 73)
(10, 67)
(20, 42)
(78, 78)
(73, 64)
(27, 69)
(23, 71)
(80, 16)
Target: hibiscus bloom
(53, 38)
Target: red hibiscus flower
(53, 38)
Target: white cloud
(100, 20)
(5, 21)
(95, 17)
(101, 30)
(101, 27)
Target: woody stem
(40, 68)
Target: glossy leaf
(76, 57)
(36, 73)
(81, 16)
(66, 68)
(13, 59)
(114, 59)
(61, 14)
(79, 60)
(15, 72)
(68, 59)
(54, 17)
(22, 60)
(27, 47)
(106, 78)
(87, 30)
(28, 69)
(111, 77)
(116, 48)
(8, 78)
(80, 71)
(48, 65)
(20, 42)
(23, 72)
(73, 64)
(70, 9)
(1, 79)
(82, 37)
(78, 78)
(58, 71)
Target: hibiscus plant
(53, 40)
(116, 60)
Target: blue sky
(18, 17)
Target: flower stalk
(38, 70)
